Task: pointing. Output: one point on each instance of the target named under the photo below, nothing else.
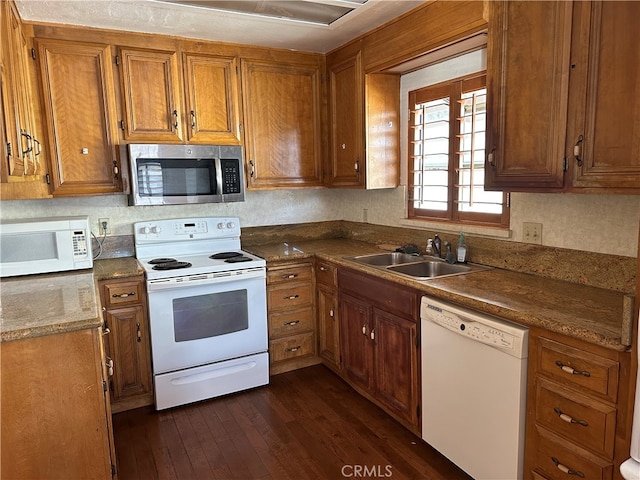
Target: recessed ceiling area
(319, 12)
(312, 26)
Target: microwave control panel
(230, 176)
(79, 239)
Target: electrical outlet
(532, 232)
(102, 222)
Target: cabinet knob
(491, 158)
(577, 148)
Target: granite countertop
(37, 305)
(595, 315)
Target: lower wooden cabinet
(575, 409)
(290, 308)
(379, 343)
(128, 342)
(55, 415)
(328, 314)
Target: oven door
(201, 320)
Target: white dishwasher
(474, 380)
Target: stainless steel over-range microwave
(184, 174)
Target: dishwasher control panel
(475, 325)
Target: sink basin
(429, 269)
(386, 259)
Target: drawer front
(556, 462)
(289, 296)
(289, 274)
(289, 348)
(326, 274)
(386, 295)
(122, 293)
(290, 323)
(587, 422)
(586, 371)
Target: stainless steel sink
(429, 269)
(419, 268)
(386, 259)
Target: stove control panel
(181, 229)
(190, 228)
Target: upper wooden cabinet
(151, 95)
(527, 84)
(211, 91)
(80, 111)
(364, 124)
(282, 105)
(23, 172)
(562, 97)
(605, 98)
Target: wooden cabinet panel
(289, 273)
(55, 416)
(290, 322)
(591, 424)
(211, 90)
(555, 459)
(283, 136)
(607, 100)
(129, 342)
(396, 360)
(527, 84)
(129, 350)
(23, 169)
(328, 325)
(289, 296)
(357, 354)
(581, 369)
(151, 95)
(292, 347)
(80, 113)
(326, 274)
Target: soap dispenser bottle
(462, 249)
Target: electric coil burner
(207, 309)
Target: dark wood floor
(306, 424)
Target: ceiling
(266, 23)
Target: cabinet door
(211, 85)
(128, 348)
(77, 84)
(346, 87)
(328, 326)
(282, 112)
(527, 88)
(151, 91)
(396, 361)
(23, 170)
(357, 352)
(607, 100)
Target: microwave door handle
(219, 178)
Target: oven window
(176, 177)
(211, 315)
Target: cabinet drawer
(587, 422)
(289, 274)
(292, 347)
(553, 460)
(122, 293)
(289, 296)
(584, 370)
(326, 274)
(289, 323)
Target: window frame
(453, 89)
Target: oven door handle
(175, 283)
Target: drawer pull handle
(565, 469)
(106, 330)
(364, 330)
(109, 364)
(123, 295)
(567, 418)
(291, 323)
(290, 297)
(572, 371)
(138, 333)
(323, 268)
(292, 349)
(290, 275)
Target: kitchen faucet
(437, 246)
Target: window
(446, 155)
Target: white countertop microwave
(184, 174)
(43, 245)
